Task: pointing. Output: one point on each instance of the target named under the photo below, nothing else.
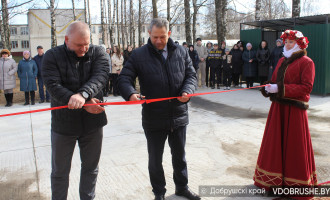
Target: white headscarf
(288, 53)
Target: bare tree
(114, 19)
(154, 9)
(125, 19)
(168, 10)
(102, 21)
(295, 8)
(221, 6)
(187, 21)
(131, 22)
(89, 21)
(5, 33)
(53, 24)
(140, 23)
(122, 24)
(74, 10)
(118, 35)
(85, 10)
(258, 7)
(194, 19)
(110, 24)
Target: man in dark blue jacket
(164, 70)
(38, 60)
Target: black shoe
(47, 100)
(26, 103)
(218, 87)
(213, 87)
(188, 194)
(159, 197)
(41, 101)
(32, 103)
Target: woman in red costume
(286, 156)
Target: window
(100, 41)
(24, 30)
(93, 29)
(25, 44)
(13, 31)
(178, 29)
(100, 29)
(14, 44)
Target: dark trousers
(41, 90)
(106, 89)
(207, 80)
(113, 84)
(227, 78)
(27, 96)
(215, 71)
(176, 140)
(235, 78)
(263, 79)
(249, 81)
(62, 150)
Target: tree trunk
(85, 10)
(187, 21)
(131, 25)
(110, 24)
(74, 10)
(2, 33)
(194, 19)
(118, 36)
(154, 9)
(113, 22)
(258, 7)
(295, 8)
(168, 11)
(53, 24)
(122, 24)
(5, 27)
(221, 5)
(89, 21)
(125, 19)
(140, 24)
(102, 21)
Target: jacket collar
(171, 46)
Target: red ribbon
(147, 101)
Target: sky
(320, 6)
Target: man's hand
(251, 60)
(184, 98)
(76, 101)
(136, 97)
(95, 109)
(202, 59)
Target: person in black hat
(38, 60)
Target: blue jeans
(62, 151)
(41, 90)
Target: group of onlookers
(28, 71)
(218, 65)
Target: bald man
(74, 74)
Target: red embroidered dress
(286, 156)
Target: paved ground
(223, 142)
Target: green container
(319, 51)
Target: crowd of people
(217, 65)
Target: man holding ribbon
(74, 74)
(164, 70)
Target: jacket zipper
(169, 90)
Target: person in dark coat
(250, 65)
(74, 74)
(215, 64)
(237, 63)
(164, 70)
(227, 67)
(263, 56)
(209, 47)
(194, 56)
(27, 72)
(38, 60)
(127, 53)
(276, 54)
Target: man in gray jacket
(202, 54)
